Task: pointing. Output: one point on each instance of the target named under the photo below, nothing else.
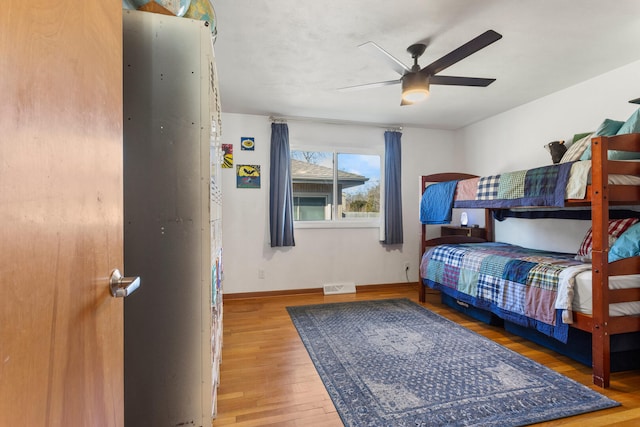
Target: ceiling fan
(415, 81)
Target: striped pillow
(616, 228)
(575, 151)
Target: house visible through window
(335, 186)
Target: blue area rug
(395, 363)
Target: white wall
(320, 255)
(514, 141)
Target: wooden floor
(268, 379)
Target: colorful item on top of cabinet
(248, 176)
(203, 11)
(177, 7)
(227, 153)
(248, 143)
(214, 284)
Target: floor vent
(339, 288)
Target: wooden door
(61, 333)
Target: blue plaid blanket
(544, 186)
(436, 203)
(517, 284)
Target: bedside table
(450, 230)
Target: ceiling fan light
(415, 95)
(415, 87)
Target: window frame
(340, 222)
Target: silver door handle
(122, 286)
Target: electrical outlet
(407, 265)
(260, 274)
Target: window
(331, 187)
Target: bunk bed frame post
(600, 336)
(489, 225)
(422, 293)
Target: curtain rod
(280, 119)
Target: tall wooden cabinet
(172, 220)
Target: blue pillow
(632, 125)
(607, 128)
(627, 244)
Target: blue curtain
(280, 188)
(392, 188)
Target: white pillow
(575, 151)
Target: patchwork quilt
(544, 186)
(517, 284)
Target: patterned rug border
(359, 404)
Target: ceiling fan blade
(391, 60)
(369, 85)
(469, 48)
(460, 81)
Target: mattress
(582, 298)
(580, 176)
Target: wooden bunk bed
(600, 196)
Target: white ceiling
(288, 57)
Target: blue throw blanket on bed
(436, 203)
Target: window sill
(336, 224)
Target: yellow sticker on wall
(227, 159)
(247, 143)
(248, 176)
